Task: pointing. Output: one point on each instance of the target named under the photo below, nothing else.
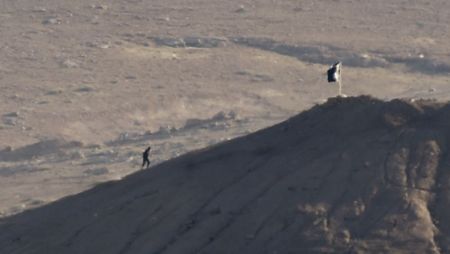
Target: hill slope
(355, 174)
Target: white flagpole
(339, 79)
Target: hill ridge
(352, 175)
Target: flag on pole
(334, 73)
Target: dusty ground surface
(86, 86)
(317, 183)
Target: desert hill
(87, 85)
(354, 175)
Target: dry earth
(317, 183)
(86, 86)
(89, 73)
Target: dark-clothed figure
(145, 159)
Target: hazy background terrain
(86, 86)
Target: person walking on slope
(145, 159)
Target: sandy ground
(86, 86)
(316, 183)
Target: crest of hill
(355, 175)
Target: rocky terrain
(317, 183)
(87, 86)
(76, 77)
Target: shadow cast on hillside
(335, 177)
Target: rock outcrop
(354, 175)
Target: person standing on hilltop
(145, 159)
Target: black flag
(334, 73)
